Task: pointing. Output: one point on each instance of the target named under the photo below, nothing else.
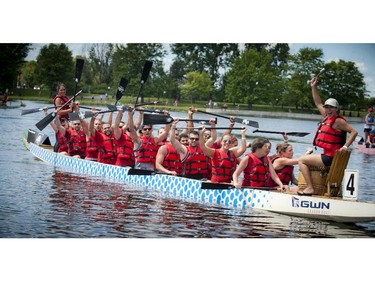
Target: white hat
(331, 102)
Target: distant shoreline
(277, 114)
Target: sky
(362, 54)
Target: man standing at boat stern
(330, 136)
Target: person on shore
(257, 168)
(330, 136)
(5, 97)
(223, 160)
(369, 122)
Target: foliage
(302, 67)
(256, 74)
(12, 57)
(196, 86)
(55, 65)
(344, 82)
(128, 61)
(253, 78)
(205, 57)
(27, 74)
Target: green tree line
(265, 74)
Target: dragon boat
(315, 207)
(360, 145)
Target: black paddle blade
(45, 121)
(79, 68)
(254, 124)
(297, 134)
(151, 119)
(73, 116)
(121, 88)
(211, 185)
(146, 71)
(140, 172)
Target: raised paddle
(49, 118)
(151, 119)
(78, 74)
(320, 72)
(297, 134)
(29, 111)
(111, 108)
(128, 108)
(120, 91)
(121, 88)
(236, 119)
(88, 114)
(145, 73)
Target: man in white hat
(330, 136)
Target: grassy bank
(100, 101)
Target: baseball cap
(331, 102)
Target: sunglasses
(227, 141)
(76, 124)
(207, 136)
(146, 129)
(194, 139)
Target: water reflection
(85, 207)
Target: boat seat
(327, 180)
(336, 173)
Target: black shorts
(367, 130)
(327, 160)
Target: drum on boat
(318, 177)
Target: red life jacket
(196, 162)
(92, 148)
(172, 160)
(328, 138)
(64, 99)
(257, 171)
(76, 142)
(223, 166)
(147, 151)
(63, 142)
(125, 151)
(107, 149)
(285, 174)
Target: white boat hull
(322, 208)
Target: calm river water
(38, 200)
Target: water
(40, 201)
